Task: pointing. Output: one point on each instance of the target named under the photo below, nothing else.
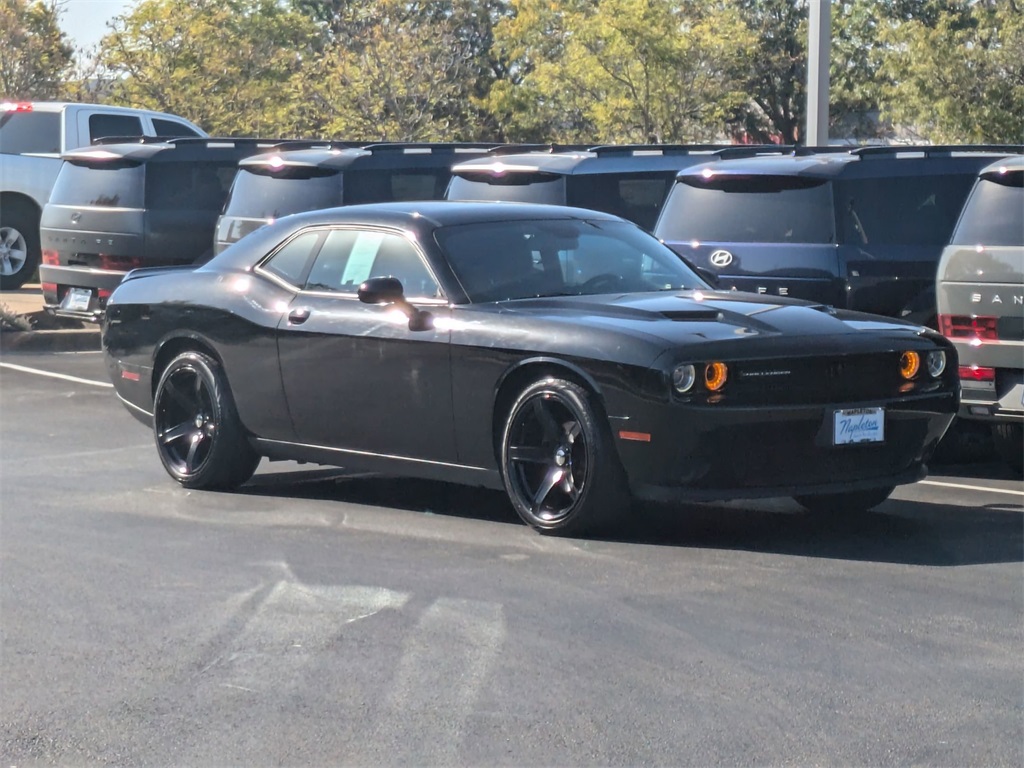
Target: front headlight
(910, 364)
(683, 378)
(935, 362)
(715, 375)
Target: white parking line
(52, 375)
(982, 488)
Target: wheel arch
(20, 198)
(171, 347)
(532, 369)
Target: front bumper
(707, 453)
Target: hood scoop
(691, 315)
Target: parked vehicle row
(33, 137)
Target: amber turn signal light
(715, 375)
(910, 364)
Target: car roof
(1015, 164)
(152, 149)
(600, 159)
(334, 155)
(856, 162)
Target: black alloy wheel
(559, 466)
(850, 503)
(199, 437)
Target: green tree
(960, 79)
(228, 66)
(35, 56)
(619, 70)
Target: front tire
(199, 436)
(558, 462)
(19, 244)
(845, 503)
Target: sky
(85, 21)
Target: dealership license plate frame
(77, 300)
(858, 426)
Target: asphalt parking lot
(315, 618)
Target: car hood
(715, 318)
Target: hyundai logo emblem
(721, 258)
(76, 217)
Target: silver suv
(980, 296)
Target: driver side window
(350, 256)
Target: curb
(68, 340)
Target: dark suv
(118, 206)
(274, 184)
(861, 228)
(980, 291)
(628, 180)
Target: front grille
(832, 379)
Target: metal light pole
(819, 40)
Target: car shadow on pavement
(898, 531)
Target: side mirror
(382, 290)
(389, 290)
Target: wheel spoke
(178, 432)
(569, 487)
(551, 479)
(197, 438)
(546, 420)
(181, 398)
(531, 454)
(572, 430)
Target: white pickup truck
(33, 134)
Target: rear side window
(379, 186)
(634, 197)
(171, 128)
(257, 196)
(110, 185)
(29, 132)
(994, 213)
(289, 263)
(114, 125)
(901, 210)
(749, 209)
(188, 186)
(513, 187)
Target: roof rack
(666, 149)
(828, 149)
(192, 141)
(426, 146)
(292, 144)
(519, 149)
(930, 150)
(752, 150)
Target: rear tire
(851, 503)
(19, 244)
(1009, 444)
(558, 463)
(199, 436)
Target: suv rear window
(749, 209)
(110, 185)
(26, 132)
(994, 213)
(258, 196)
(901, 210)
(188, 186)
(513, 187)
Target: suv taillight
(118, 263)
(16, 106)
(977, 373)
(969, 327)
(51, 258)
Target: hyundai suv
(118, 206)
(627, 180)
(980, 294)
(274, 184)
(861, 229)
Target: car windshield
(503, 260)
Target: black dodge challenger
(560, 354)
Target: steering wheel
(606, 282)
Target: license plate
(858, 425)
(77, 299)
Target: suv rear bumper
(1001, 400)
(57, 282)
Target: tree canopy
(542, 70)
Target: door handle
(298, 316)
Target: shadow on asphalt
(898, 531)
